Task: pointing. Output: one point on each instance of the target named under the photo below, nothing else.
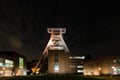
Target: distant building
(60, 62)
(12, 64)
(76, 63)
(106, 65)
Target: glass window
(79, 66)
(114, 61)
(80, 71)
(70, 57)
(1, 62)
(56, 67)
(77, 57)
(118, 61)
(9, 63)
(21, 62)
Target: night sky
(92, 26)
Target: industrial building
(60, 60)
(105, 65)
(76, 63)
(12, 64)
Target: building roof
(10, 53)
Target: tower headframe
(56, 41)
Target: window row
(6, 63)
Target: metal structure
(56, 42)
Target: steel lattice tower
(56, 42)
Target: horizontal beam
(56, 30)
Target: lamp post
(99, 70)
(91, 72)
(3, 71)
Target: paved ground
(99, 77)
(109, 77)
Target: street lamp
(113, 67)
(99, 70)
(3, 68)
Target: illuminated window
(77, 57)
(56, 67)
(9, 63)
(116, 61)
(70, 57)
(79, 66)
(118, 70)
(80, 71)
(83, 57)
(1, 72)
(21, 62)
(1, 62)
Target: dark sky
(92, 26)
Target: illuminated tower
(56, 51)
(56, 41)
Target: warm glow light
(3, 68)
(114, 70)
(77, 57)
(99, 68)
(1, 72)
(33, 69)
(113, 67)
(91, 70)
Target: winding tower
(57, 53)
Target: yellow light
(113, 67)
(3, 68)
(33, 69)
(99, 68)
